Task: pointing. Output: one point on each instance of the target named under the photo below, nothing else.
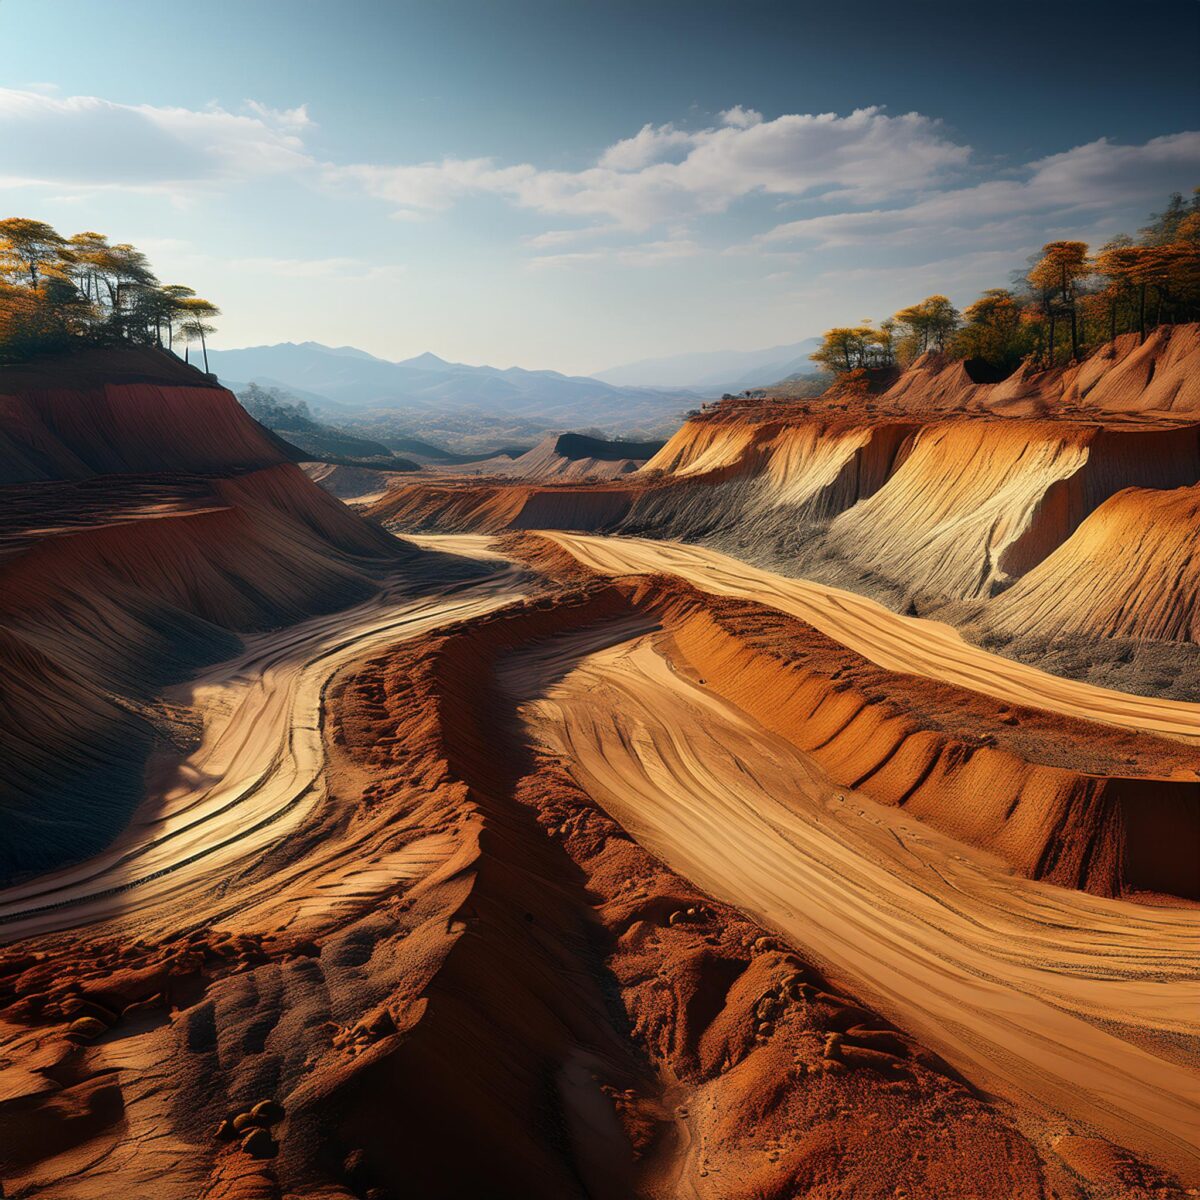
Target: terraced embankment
(936, 494)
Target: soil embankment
(935, 494)
(147, 523)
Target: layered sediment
(933, 493)
(145, 526)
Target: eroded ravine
(1068, 1004)
(1074, 1006)
(257, 771)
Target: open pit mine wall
(1131, 570)
(145, 527)
(977, 504)
(890, 737)
(939, 491)
(951, 510)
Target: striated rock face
(936, 491)
(143, 526)
(1057, 799)
(1131, 569)
(975, 505)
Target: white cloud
(1097, 176)
(565, 237)
(649, 145)
(87, 141)
(665, 174)
(741, 118)
(644, 254)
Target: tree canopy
(1067, 302)
(56, 292)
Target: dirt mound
(566, 456)
(1056, 798)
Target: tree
(844, 348)
(1119, 261)
(31, 247)
(196, 314)
(885, 339)
(1057, 276)
(993, 330)
(89, 252)
(54, 291)
(173, 297)
(926, 326)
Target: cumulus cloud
(663, 173)
(50, 139)
(741, 118)
(649, 145)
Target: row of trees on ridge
(56, 292)
(1064, 304)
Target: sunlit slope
(1131, 570)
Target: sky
(574, 185)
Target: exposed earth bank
(937, 495)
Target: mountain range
(716, 371)
(345, 380)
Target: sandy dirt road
(257, 772)
(1078, 1008)
(899, 643)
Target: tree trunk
(1050, 347)
(204, 347)
(1074, 334)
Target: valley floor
(1071, 1016)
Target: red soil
(557, 977)
(1058, 799)
(143, 525)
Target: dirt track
(1076, 1007)
(256, 773)
(898, 643)
(1063, 1002)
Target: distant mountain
(284, 414)
(352, 381)
(711, 371)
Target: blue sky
(575, 185)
